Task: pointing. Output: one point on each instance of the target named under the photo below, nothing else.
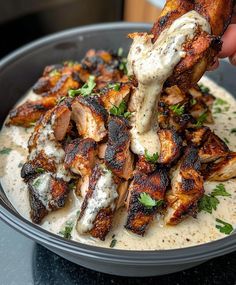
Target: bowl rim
(145, 257)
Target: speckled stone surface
(23, 262)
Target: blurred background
(22, 21)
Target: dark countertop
(24, 262)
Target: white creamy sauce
(188, 233)
(104, 195)
(152, 64)
(42, 187)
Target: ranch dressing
(190, 232)
(152, 64)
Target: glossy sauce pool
(188, 233)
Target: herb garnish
(193, 101)
(85, 90)
(54, 72)
(37, 182)
(70, 63)
(208, 203)
(201, 119)
(146, 200)
(61, 99)
(120, 110)
(233, 131)
(220, 191)
(177, 109)
(66, 232)
(225, 228)
(114, 86)
(5, 150)
(204, 88)
(123, 65)
(220, 101)
(120, 51)
(113, 243)
(151, 158)
(226, 140)
(40, 170)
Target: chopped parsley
(85, 90)
(5, 150)
(226, 140)
(220, 191)
(120, 51)
(61, 99)
(120, 110)
(123, 65)
(40, 170)
(220, 101)
(66, 232)
(203, 88)
(151, 158)
(70, 63)
(208, 203)
(127, 114)
(113, 243)
(201, 119)
(177, 109)
(224, 228)
(54, 72)
(233, 131)
(146, 200)
(193, 101)
(217, 110)
(114, 86)
(37, 182)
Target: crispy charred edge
(144, 166)
(155, 184)
(30, 111)
(80, 149)
(191, 188)
(197, 137)
(58, 190)
(221, 170)
(117, 154)
(171, 145)
(218, 13)
(95, 105)
(103, 221)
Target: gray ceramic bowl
(18, 72)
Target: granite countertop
(24, 262)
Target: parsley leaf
(201, 119)
(114, 86)
(146, 200)
(225, 228)
(226, 140)
(207, 203)
(151, 158)
(193, 101)
(37, 182)
(220, 191)
(54, 72)
(203, 88)
(220, 101)
(40, 170)
(113, 243)
(177, 109)
(85, 90)
(120, 110)
(233, 131)
(120, 51)
(123, 65)
(5, 150)
(66, 232)
(61, 99)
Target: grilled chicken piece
(211, 147)
(46, 194)
(206, 97)
(173, 95)
(144, 166)
(80, 156)
(99, 203)
(57, 80)
(90, 117)
(171, 145)
(118, 157)
(104, 65)
(223, 169)
(111, 97)
(30, 111)
(140, 216)
(186, 188)
(201, 51)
